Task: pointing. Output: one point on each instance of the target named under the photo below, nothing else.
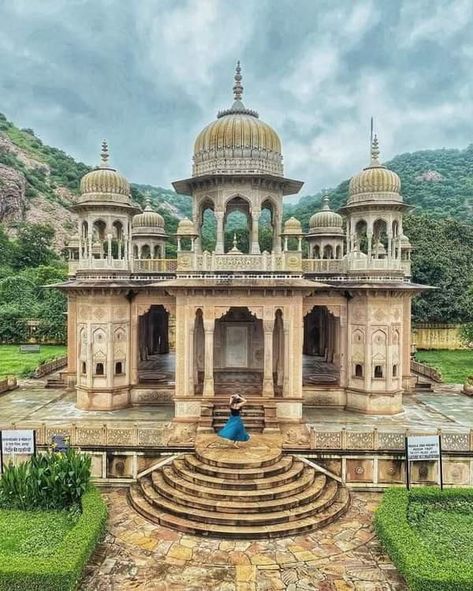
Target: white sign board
(423, 447)
(18, 442)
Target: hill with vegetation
(38, 183)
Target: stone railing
(210, 261)
(98, 264)
(154, 265)
(322, 265)
(50, 366)
(426, 371)
(7, 384)
(161, 435)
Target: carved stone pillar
(285, 387)
(277, 233)
(268, 386)
(219, 246)
(209, 325)
(190, 360)
(254, 247)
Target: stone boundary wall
(437, 336)
(49, 367)
(7, 384)
(426, 371)
(368, 459)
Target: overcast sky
(149, 74)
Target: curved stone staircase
(237, 494)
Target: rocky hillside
(38, 183)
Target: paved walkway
(140, 556)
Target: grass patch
(14, 363)
(428, 534)
(455, 366)
(47, 551)
(33, 533)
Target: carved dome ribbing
(374, 180)
(326, 220)
(237, 141)
(148, 219)
(104, 183)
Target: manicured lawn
(32, 533)
(14, 363)
(454, 366)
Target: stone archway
(155, 361)
(321, 347)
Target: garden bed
(47, 550)
(428, 534)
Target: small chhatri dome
(104, 183)
(238, 141)
(185, 228)
(326, 220)
(149, 218)
(374, 180)
(292, 227)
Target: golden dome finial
(375, 151)
(238, 88)
(104, 155)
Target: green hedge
(61, 571)
(422, 570)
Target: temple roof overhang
(186, 186)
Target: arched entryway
(321, 349)
(155, 361)
(238, 353)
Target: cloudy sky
(149, 74)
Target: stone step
(279, 467)
(325, 499)
(293, 473)
(215, 494)
(237, 458)
(286, 528)
(246, 410)
(234, 503)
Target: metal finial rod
(104, 154)
(238, 88)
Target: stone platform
(250, 492)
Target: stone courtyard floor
(141, 556)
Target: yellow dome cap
(238, 141)
(104, 183)
(326, 220)
(292, 226)
(185, 228)
(374, 179)
(148, 219)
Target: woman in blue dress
(234, 429)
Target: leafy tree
(33, 246)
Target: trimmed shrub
(422, 570)
(61, 571)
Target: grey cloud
(149, 75)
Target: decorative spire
(238, 88)
(375, 151)
(325, 203)
(148, 201)
(104, 155)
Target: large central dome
(237, 142)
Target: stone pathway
(344, 556)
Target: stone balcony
(287, 262)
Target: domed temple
(287, 317)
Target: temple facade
(289, 318)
